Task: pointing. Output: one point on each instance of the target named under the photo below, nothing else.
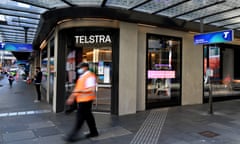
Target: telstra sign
(214, 37)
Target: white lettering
(102, 38)
(81, 39)
(226, 34)
(76, 39)
(92, 39)
(108, 39)
(96, 38)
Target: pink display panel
(152, 74)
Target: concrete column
(192, 72)
(141, 72)
(59, 71)
(127, 68)
(228, 63)
(55, 71)
(48, 71)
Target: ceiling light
(2, 18)
(23, 5)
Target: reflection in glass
(163, 71)
(99, 59)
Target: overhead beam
(11, 41)
(206, 6)
(68, 3)
(20, 26)
(103, 3)
(17, 34)
(29, 3)
(25, 22)
(4, 28)
(16, 41)
(237, 28)
(140, 4)
(19, 10)
(217, 13)
(229, 24)
(19, 16)
(16, 38)
(16, 31)
(171, 6)
(223, 19)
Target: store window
(46, 74)
(163, 71)
(94, 48)
(220, 69)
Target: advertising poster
(100, 67)
(106, 74)
(70, 66)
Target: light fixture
(2, 17)
(43, 44)
(23, 5)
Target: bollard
(210, 101)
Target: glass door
(163, 71)
(100, 60)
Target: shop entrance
(99, 47)
(163, 71)
(223, 61)
(99, 59)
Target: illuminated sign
(214, 37)
(161, 74)
(17, 47)
(91, 39)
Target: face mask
(80, 71)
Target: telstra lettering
(92, 39)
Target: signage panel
(153, 74)
(18, 47)
(214, 37)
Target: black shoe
(92, 135)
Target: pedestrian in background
(38, 80)
(84, 94)
(10, 79)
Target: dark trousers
(10, 82)
(38, 91)
(84, 112)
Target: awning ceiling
(17, 15)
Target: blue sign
(18, 47)
(214, 37)
(1, 46)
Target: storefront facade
(138, 66)
(122, 55)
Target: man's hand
(70, 100)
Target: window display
(96, 50)
(163, 70)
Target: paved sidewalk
(24, 122)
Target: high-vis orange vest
(80, 85)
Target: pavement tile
(18, 136)
(41, 124)
(111, 132)
(47, 131)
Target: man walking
(38, 80)
(84, 94)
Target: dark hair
(83, 65)
(38, 68)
